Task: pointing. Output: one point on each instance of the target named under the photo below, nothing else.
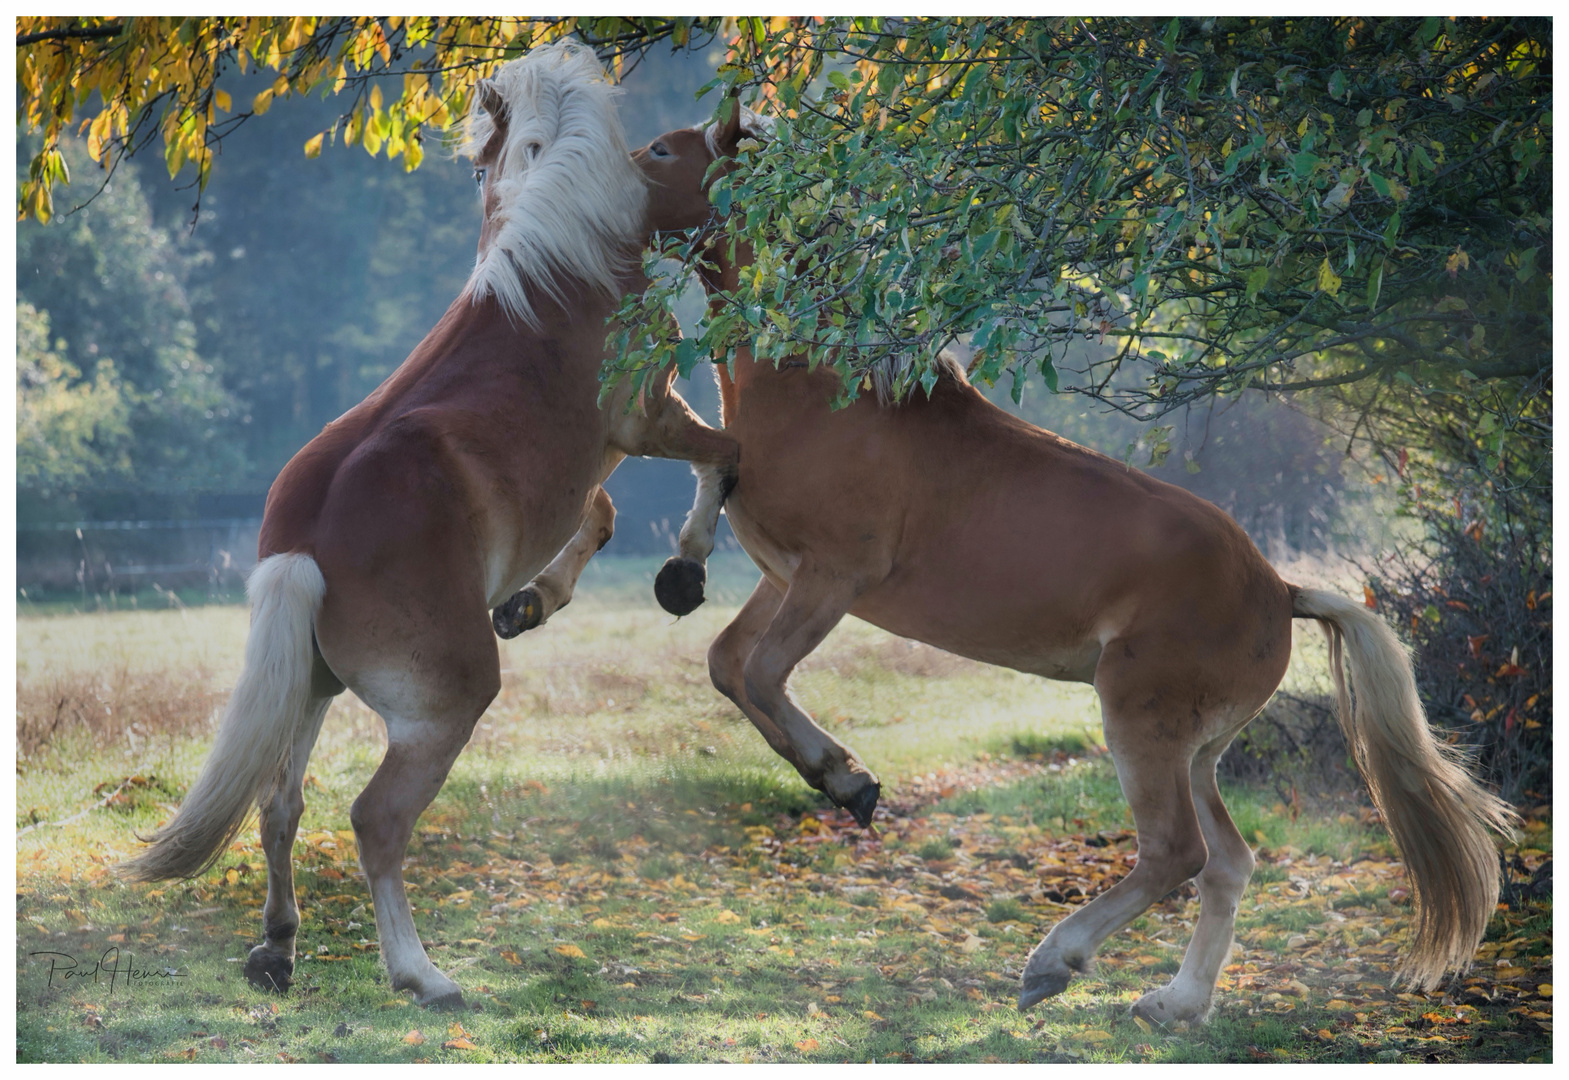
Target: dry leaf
(806, 1046)
(570, 950)
(414, 1038)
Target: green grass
(612, 805)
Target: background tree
(107, 360)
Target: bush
(1475, 602)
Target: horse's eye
(479, 177)
(659, 149)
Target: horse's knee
(1174, 862)
(1227, 874)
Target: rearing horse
(948, 520)
(387, 539)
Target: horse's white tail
(260, 725)
(1436, 812)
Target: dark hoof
(446, 1003)
(524, 611)
(679, 586)
(863, 803)
(270, 971)
(1040, 987)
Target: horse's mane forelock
(572, 201)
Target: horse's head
(563, 201)
(487, 161)
(676, 166)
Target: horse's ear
(730, 129)
(491, 101)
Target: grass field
(619, 870)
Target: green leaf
(1258, 277)
(837, 78)
(687, 355)
(1375, 284)
(1392, 231)
(1049, 373)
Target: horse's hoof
(1046, 974)
(863, 802)
(524, 610)
(441, 998)
(1038, 987)
(268, 970)
(679, 585)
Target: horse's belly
(1031, 642)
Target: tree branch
(66, 32)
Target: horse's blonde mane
(753, 126)
(886, 373)
(572, 202)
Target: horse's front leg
(669, 428)
(552, 589)
(679, 584)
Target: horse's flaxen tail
(261, 723)
(1436, 812)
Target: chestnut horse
(387, 538)
(946, 519)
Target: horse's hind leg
(420, 751)
(679, 585)
(812, 607)
(1155, 781)
(552, 589)
(727, 665)
(270, 965)
(1221, 884)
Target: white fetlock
(1170, 1006)
(432, 989)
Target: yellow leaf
(221, 99)
(458, 1044)
(1144, 1025)
(1328, 280)
(1095, 1035)
(262, 103)
(806, 1046)
(601, 923)
(570, 950)
(232, 876)
(414, 1038)
(313, 145)
(1545, 989)
(871, 1015)
(375, 98)
(511, 957)
(691, 937)
(727, 916)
